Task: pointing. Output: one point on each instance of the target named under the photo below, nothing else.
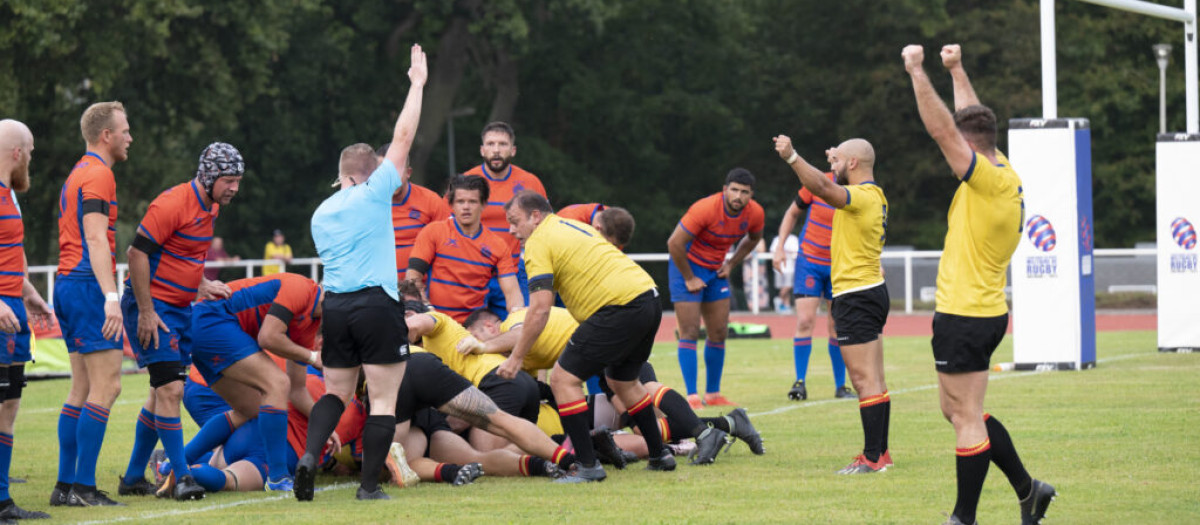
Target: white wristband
(793, 158)
(312, 357)
(111, 297)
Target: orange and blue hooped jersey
(818, 227)
(180, 223)
(585, 213)
(714, 231)
(290, 297)
(501, 190)
(12, 244)
(457, 268)
(414, 209)
(91, 181)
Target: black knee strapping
(15, 382)
(165, 373)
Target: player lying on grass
(239, 462)
(491, 336)
(432, 384)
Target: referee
(364, 320)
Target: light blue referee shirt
(353, 233)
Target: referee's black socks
(377, 438)
(321, 422)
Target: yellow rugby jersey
(588, 272)
(550, 344)
(986, 217)
(442, 341)
(859, 231)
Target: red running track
(782, 325)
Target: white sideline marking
(193, 510)
(991, 377)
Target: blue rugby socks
(68, 421)
(801, 351)
(145, 436)
(93, 422)
(688, 364)
(272, 427)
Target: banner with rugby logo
(1053, 289)
(1178, 217)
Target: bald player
(19, 300)
(860, 299)
(985, 218)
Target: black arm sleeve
(800, 203)
(94, 206)
(418, 265)
(542, 282)
(145, 245)
(280, 311)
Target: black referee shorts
(966, 344)
(615, 339)
(518, 396)
(859, 316)
(363, 327)
(428, 383)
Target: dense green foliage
(644, 104)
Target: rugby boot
(1033, 507)
(798, 391)
(581, 474)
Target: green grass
(1115, 441)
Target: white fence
(904, 258)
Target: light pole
(459, 112)
(1162, 54)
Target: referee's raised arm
(363, 323)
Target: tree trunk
(445, 75)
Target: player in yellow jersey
(615, 302)
(860, 298)
(440, 335)
(971, 316)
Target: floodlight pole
(1162, 56)
(1187, 15)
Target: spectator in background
(784, 275)
(276, 249)
(217, 253)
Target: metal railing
(313, 264)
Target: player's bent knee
(163, 374)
